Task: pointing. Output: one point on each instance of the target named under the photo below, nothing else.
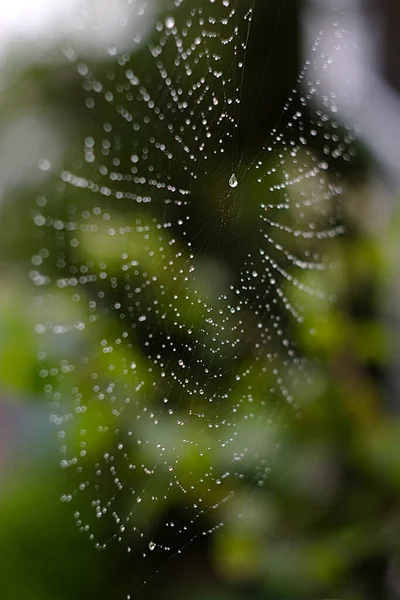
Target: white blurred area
(31, 146)
(366, 102)
(32, 142)
(33, 28)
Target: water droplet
(233, 182)
(169, 22)
(152, 545)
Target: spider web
(186, 267)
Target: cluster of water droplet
(164, 382)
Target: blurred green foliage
(326, 524)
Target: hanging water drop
(233, 182)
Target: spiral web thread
(167, 376)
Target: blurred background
(327, 523)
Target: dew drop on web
(233, 182)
